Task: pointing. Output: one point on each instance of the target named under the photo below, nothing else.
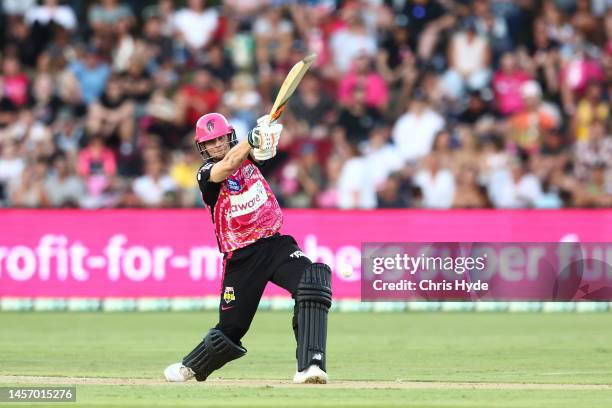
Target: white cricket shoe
(177, 372)
(311, 375)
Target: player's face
(218, 148)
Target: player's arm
(231, 162)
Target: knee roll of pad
(313, 298)
(213, 352)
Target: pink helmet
(212, 126)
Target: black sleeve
(257, 163)
(210, 189)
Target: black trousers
(276, 259)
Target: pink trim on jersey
(246, 209)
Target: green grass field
(375, 359)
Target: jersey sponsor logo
(228, 294)
(247, 171)
(249, 201)
(233, 185)
(296, 254)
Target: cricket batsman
(247, 220)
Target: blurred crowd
(411, 103)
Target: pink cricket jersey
(246, 209)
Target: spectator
(68, 133)
(195, 25)
(242, 99)
(557, 28)
(437, 184)
(17, 7)
(46, 104)
(514, 187)
(589, 152)
(23, 42)
(550, 197)
(389, 194)
(382, 158)
(311, 104)
(492, 26)
(577, 71)
(12, 165)
(154, 184)
(527, 126)
(91, 73)
(362, 75)
(469, 193)
(29, 190)
(97, 165)
(112, 117)
(8, 108)
(476, 111)
(63, 187)
(164, 11)
(590, 108)
(30, 131)
(545, 59)
(219, 64)
(69, 92)
(329, 194)
(303, 180)
(356, 187)
(597, 191)
(185, 165)
(158, 45)
(427, 20)
(351, 40)
(200, 96)
(273, 36)
(161, 111)
(584, 21)
(52, 12)
(15, 81)
(507, 84)
(494, 158)
(395, 55)
(415, 130)
(469, 57)
(137, 83)
(356, 120)
(104, 16)
(126, 47)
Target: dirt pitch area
(272, 383)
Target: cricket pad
(213, 352)
(313, 298)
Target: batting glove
(265, 137)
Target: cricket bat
(291, 82)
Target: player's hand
(265, 137)
(262, 155)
